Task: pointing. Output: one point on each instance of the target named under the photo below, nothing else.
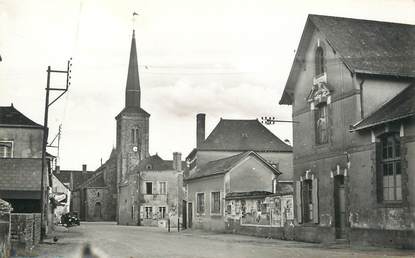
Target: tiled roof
(221, 166)
(371, 46)
(96, 181)
(78, 177)
(133, 111)
(10, 116)
(20, 174)
(155, 162)
(243, 135)
(401, 106)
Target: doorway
(184, 212)
(190, 214)
(340, 207)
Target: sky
(225, 58)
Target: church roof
(243, 135)
(133, 111)
(132, 91)
(364, 46)
(400, 107)
(11, 117)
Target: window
(162, 212)
(149, 187)
(319, 61)
(215, 202)
(98, 194)
(200, 205)
(390, 165)
(307, 200)
(135, 136)
(149, 212)
(321, 123)
(163, 187)
(6, 149)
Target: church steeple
(132, 91)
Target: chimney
(83, 168)
(177, 161)
(200, 129)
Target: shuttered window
(6, 148)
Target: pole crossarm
(43, 195)
(272, 120)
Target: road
(110, 240)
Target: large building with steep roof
(238, 156)
(351, 91)
(21, 163)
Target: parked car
(70, 219)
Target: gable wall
(284, 159)
(27, 143)
(251, 175)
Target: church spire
(132, 91)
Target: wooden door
(184, 212)
(190, 214)
(340, 207)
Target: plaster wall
(27, 142)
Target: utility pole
(45, 135)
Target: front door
(340, 207)
(190, 213)
(184, 211)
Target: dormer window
(319, 61)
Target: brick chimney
(177, 161)
(83, 168)
(200, 129)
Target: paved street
(110, 240)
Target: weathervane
(134, 14)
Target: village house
(239, 157)
(354, 151)
(156, 190)
(21, 164)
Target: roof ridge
(357, 19)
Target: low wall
(381, 237)
(25, 230)
(284, 233)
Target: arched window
(319, 61)
(390, 167)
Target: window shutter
(298, 206)
(315, 201)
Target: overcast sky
(225, 58)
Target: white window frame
(197, 203)
(212, 202)
(3, 155)
(159, 187)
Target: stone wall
(25, 230)
(4, 228)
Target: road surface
(110, 240)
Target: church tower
(132, 122)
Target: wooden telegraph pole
(44, 196)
